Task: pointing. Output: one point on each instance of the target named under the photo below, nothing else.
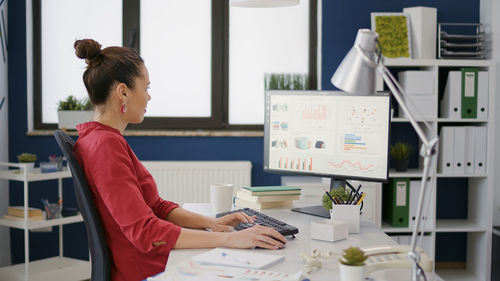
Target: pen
(238, 259)
(356, 194)
(46, 204)
(361, 198)
(349, 197)
(329, 196)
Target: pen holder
(347, 213)
(53, 211)
(57, 161)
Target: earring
(123, 108)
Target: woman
(140, 227)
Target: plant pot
(29, 166)
(401, 165)
(68, 119)
(352, 273)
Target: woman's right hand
(256, 236)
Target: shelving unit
(54, 268)
(478, 224)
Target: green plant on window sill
(341, 193)
(72, 103)
(26, 158)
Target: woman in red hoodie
(140, 227)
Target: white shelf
(410, 173)
(432, 62)
(404, 120)
(35, 175)
(480, 186)
(456, 225)
(40, 224)
(417, 173)
(55, 268)
(457, 275)
(441, 175)
(388, 228)
(450, 120)
(48, 270)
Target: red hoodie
(125, 194)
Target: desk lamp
(356, 74)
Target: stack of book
(17, 213)
(265, 197)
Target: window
(178, 56)
(60, 71)
(206, 60)
(263, 41)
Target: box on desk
(329, 230)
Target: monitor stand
(319, 210)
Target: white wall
(488, 10)
(4, 139)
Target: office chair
(99, 253)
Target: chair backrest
(99, 253)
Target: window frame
(220, 69)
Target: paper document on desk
(193, 271)
(238, 258)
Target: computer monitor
(329, 134)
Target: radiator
(189, 181)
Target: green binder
(469, 92)
(396, 205)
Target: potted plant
(73, 111)
(400, 152)
(28, 159)
(341, 193)
(352, 264)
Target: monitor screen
(327, 133)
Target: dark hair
(105, 67)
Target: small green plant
(26, 157)
(401, 151)
(72, 103)
(353, 256)
(341, 193)
(286, 81)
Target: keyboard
(265, 220)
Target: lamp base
(398, 275)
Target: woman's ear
(121, 91)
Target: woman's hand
(256, 236)
(227, 222)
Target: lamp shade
(356, 72)
(263, 3)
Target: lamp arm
(428, 151)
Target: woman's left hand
(227, 222)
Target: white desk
(370, 235)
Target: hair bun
(87, 49)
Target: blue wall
(341, 19)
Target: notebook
(238, 258)
(192, 271)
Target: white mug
(221, 197)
